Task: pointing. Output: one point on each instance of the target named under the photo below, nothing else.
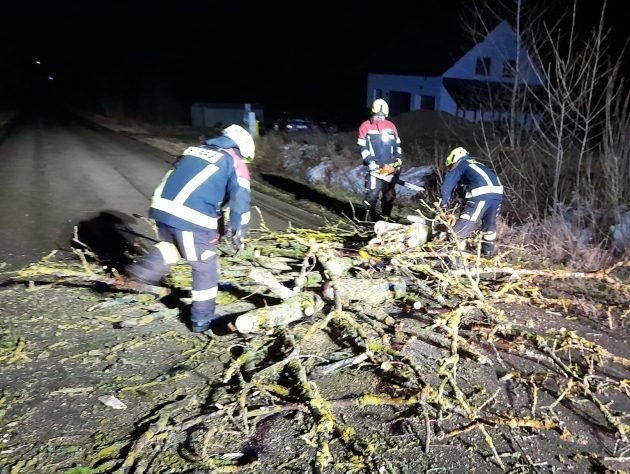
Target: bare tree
(575, 95)
(615, 145)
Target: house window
(509, 68)
(427, 102)
(482, 68)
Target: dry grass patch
(553, 240)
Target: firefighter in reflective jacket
(484, 193)
(379, 145)
(187, 205)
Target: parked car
(291, 123)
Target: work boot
(146, 272)
(386, 210)
(488, 249)
(371, 215)
(199, 327)
(126, 283)
(205, 327)
(202, 316)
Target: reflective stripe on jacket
(204, 179)
(476, 178)
(379, 141)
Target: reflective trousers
(480, 212)
(199, 250)
(373, 188)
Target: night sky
(304, 57)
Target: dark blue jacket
(203, 180)
(476, 178)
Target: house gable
(494, 59)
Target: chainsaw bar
(401, 182)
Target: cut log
(275, 264)
(290, 310)
(369, 291)
(412, 235)
(234, 308)
(312, 279)
(266, 278)
(374, 312)
(339, 266)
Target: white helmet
(456, 155)
(243, 140)
(380, 107)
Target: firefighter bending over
(187, 205)
(484, 193)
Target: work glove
(372, 165)
(228, 233)
(450, 219)
(237, 244)
(397, 164)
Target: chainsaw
(387, 174)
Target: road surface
(57, 174)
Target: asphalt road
(57, 174)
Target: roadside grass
(551, 242)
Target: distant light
(51, 78)
(37, 62)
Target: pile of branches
(372, 302)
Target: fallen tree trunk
(265, 277)
(463, 348)
(290, 310)
(368, 291)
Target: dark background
(160, 56)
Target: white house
(476, 87)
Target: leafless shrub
(269, 152)
(554, 240)
(615, 147)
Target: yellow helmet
(380, 107)
(456, 155)
(243, 140)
